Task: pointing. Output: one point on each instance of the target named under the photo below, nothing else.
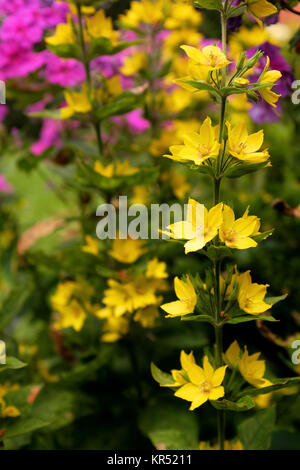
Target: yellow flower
(130, 296)
(106, 171)
(203, 384)
(237, 233)
(181, 14)
(115, 169)
(197, 147)
(85, 10)
(127, 251)
(77, 102)
(260, 8)
(187, 299)
(7, 387)
(156, 269)
(8, 411)
(210, 57)
(246, 147)
(179, 184)
(146, 316)
(252, 369)
(145, 11)
(124, 169)
(140, 195)
(232, 355)
(64, 34)
(100, 26)
(180, 376)
(132, 64)
(91, 246)
(200, 227)
(251, 295)
(237, 445)
(114, 326)
(110, 88)
(70, 303)
(269, 76)
(45, 373)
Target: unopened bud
(252, 61)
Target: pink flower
(133, 120)
(16, 61)
(49, 137)
(63, 72)
(22, 28)
(5, 187)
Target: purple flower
(50, 136)
(263, 112)
(16, 61)
(63, 72)
(21, 28)
(9, 8)
(5, 187)
(133, 120)
(234, 23)
(268, 20)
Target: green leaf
(209, 4)
(25, 426)
(262, 236)
(236, 11)
(201, 85)
(275, 300)
(246, 318)
(161, 377)
(255, 432)
(243, 404)
(241, 169)
(46, 114)
(15, 301)
(103, 46)
(170, 427)
(66, 51)
(12, 363)
(276, 385)
(216, 253)
(123, 103)
(199, 318)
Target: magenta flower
(63, 72)
(133, 120)
(22, 28)
(16, 61)
(5, 187)
(49, 137)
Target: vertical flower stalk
(228, 297)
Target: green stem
(85, 60)
(217, 182)
(86, 63)
(221, 428)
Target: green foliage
(255, 432)
(170, 427)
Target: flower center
(205, 387)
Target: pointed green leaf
(246, 318)
(12, 363)
(161, 377)
(255, 432)
(243, 404)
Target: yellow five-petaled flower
(202, 383)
